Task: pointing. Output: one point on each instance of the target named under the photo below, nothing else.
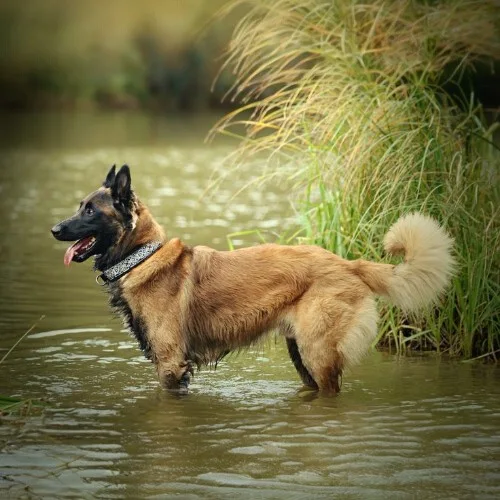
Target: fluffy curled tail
(428, 264)
(427, 268)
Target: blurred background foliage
(156, 54)
(120, 53)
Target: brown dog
(194, 305)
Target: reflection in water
(402, 428)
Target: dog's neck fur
(144, 230)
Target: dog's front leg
(175, 375)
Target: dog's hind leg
(320, 322)
(324, 364)
(293, 351)
(329, 377)
(332, 335)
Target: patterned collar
(128, 263)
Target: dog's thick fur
(194, 305)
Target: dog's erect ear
(110, 178)
(121, 189)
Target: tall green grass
(347, 99)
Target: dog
(190, 306)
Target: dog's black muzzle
(70, 229)
(57, 231)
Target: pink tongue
(70, 252)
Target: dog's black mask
(100, 220)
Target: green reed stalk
(9, 405)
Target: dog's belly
(210, 337)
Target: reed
(347, 101)
(10, 405)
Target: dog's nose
(56, 230)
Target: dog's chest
(132, 321)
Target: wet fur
(191, 306)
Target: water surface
(414, 427)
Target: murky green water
(402, 428)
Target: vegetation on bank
(159, 54)
(358, 104)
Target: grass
(9, 405)
(348, 101)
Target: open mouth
(80, 250)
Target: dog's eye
(89, 210)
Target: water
(415, 427)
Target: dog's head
(101, 220)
